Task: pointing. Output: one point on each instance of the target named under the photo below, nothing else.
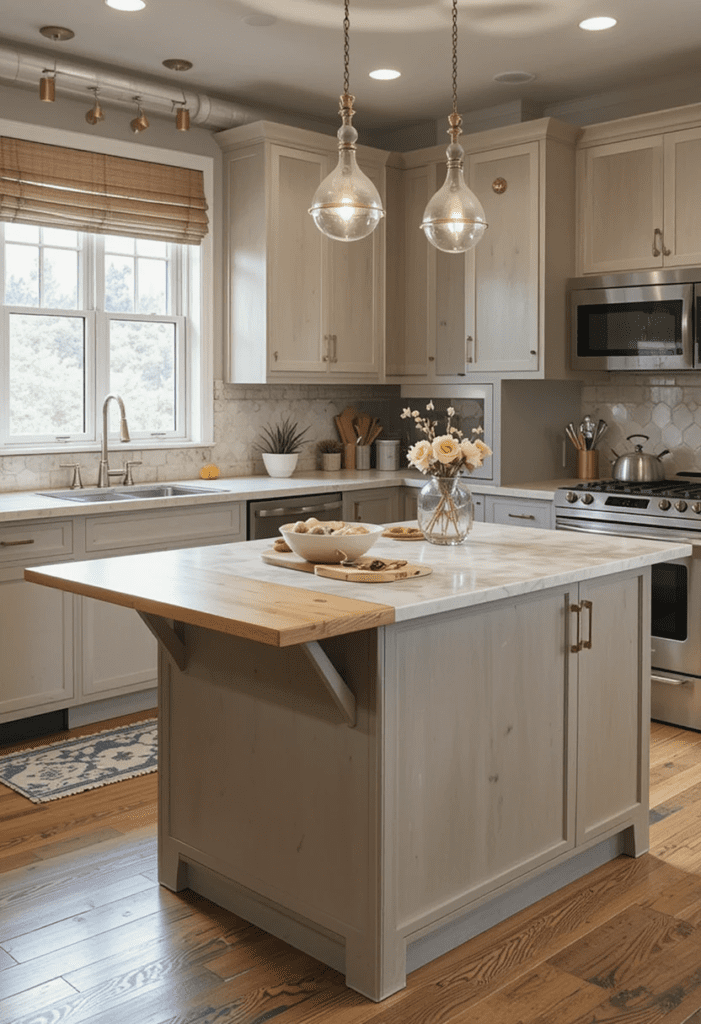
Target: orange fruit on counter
(209, 472)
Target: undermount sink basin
(128, 493)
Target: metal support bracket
(166, 632)
(342, 696)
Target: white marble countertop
(494, 562)
(204, 584)
(21, 505)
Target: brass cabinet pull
(468, 344)
(334, 351)
(577, 609)
(655, 250)
(588, 606)
(15, 543)
(325, 357)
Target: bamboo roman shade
(70, 188)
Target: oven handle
(668, 681)
(653, 534)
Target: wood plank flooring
(87, 936)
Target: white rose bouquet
(446, 454)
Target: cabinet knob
(431, 359)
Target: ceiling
(296, 61)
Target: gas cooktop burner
(668, 488)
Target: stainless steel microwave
(642, 321)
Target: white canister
(386, 454)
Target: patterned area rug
(85, 762)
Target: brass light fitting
(47, 87)
(140, 122)
(47, 83)
(95, 113)
(182, 120)
(177, 64)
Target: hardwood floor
(88, 937)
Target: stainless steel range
(654, 510)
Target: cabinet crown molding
(654, 123)
(547, 128)
(287, 135)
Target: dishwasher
(266, 516)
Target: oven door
(675, 599)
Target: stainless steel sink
(128, 493)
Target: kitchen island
(375, 773)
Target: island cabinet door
(613, 668)
(484, 715)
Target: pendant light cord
(346, 49)
(455, 56)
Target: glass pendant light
(454, 219)
(346, 206)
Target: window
(84, 315)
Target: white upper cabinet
(300, 306)
(489, 311)
(638, 198)
(502, 293)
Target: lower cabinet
(36, 648)
(59, 650)
(531, 733)
(118, 653)
(510, 511)
(613, 705)
(372, 505)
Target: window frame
(192, 314)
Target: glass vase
(445, 511)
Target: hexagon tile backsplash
(667, 411)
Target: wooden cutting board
(289, 560)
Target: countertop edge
(16, 506)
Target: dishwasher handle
(285, 510)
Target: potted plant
(281, 446)
(330, 452)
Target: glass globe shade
(454, 220)
(346, 205)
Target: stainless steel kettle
(638, 467)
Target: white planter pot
(280, 465)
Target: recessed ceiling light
(597, 24)
(385, 74)
(514, 77)
(126, 5)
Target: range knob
(680, 506)
(696, 507)
(587, 498)
(570, 496)
(664, 504)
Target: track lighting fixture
(47, 83)
(95, 113)
(47, 86)
(140, 122)
(182, 118)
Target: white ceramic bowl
(320, 547)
